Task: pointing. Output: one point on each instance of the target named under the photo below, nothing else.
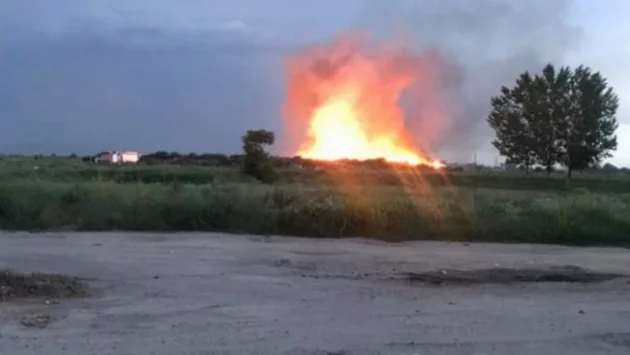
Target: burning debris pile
(345, 97)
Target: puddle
(17, 285)
(570, 274)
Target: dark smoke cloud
(483, 44)
(79, 76)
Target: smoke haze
(81, 76)
(481, 45)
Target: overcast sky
(83, 76)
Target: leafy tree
(589, 132)
(548, 110)
(507, 118)
(256, 162)
(560, 116)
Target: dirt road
(187, 293)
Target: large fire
(347, 100)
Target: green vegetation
(390, 204)
(563, 117)
(256, 161)
(387, 212)
(76, 171)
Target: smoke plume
(478, 46)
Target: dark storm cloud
(193, 75)
(88, 75)
(102, 95)
(98, 95)
(92, 83)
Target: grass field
(391, 205)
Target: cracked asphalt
(204, 293)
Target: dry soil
(189, 293)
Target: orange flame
(348, 100)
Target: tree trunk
(569, 172)
(548, 168)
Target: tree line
(559, 117)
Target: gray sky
(82, 76)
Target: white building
(118, 157)
(127, 157)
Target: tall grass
(68, 170)
(385, 212)
(82, 172)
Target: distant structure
(116, 157)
